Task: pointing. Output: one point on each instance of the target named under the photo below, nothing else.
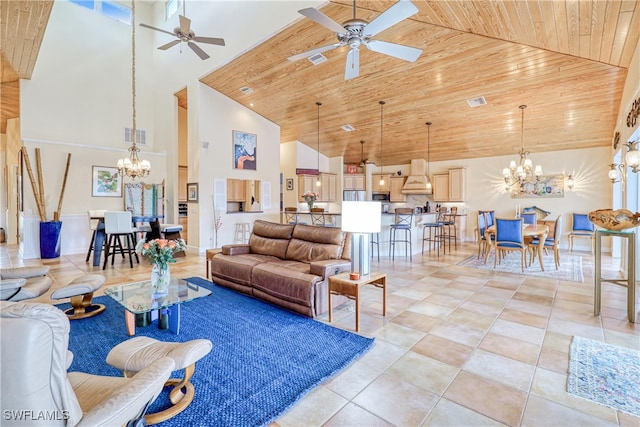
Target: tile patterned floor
(458, 347)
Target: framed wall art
(245, 146)
(192, 192)
(289, 183)
(546, 186)
(106, 182)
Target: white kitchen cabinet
(354, 182)
(457, 185)
(441, 187)
(395, 185)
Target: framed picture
(352, 168)
(245, 146)
(106, 182)
(547, 186)
(289, 183)
(192, 192)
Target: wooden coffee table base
(340, 284)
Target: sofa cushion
(269, 238)
(286, 280)
(237, 268)
(313, 243)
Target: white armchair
(35, 357)
(18, 283)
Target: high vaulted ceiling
(565, 59)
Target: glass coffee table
(141, 302)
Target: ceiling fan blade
(168, 45)
(396, 13)
(322, 19)
(407, 53)
(185, 24)
(157, 29)
(201, 53)
(210, 40)
(352, 69)
(314, 51)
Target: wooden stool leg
(181, 396)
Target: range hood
(416, 182)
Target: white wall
(223, 116)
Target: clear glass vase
(310, 205)
(160, 278)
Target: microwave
(382, 197)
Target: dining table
(530, 231)
(98, 243)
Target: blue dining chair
(581, 227)
(551, 242)
(528, 217)
(509, 238)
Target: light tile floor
(458, 347)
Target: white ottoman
(81, 290)
(135, 354)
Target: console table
(340, 284)
(629, 282)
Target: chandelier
(133, 167)
(523, 171)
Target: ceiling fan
(184, 33)
(357, 32)
(363, 161)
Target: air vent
(317, 59)
(477, 102)
(141, 136)
(246, 90)
(348, 128)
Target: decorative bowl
(617, 220)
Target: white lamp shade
(361, 217)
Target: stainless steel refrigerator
(354, 195)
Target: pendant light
(428, 143)
(381, 152)
(132, 166)
(318, 183)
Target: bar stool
(291, 216)
(117, 224)
(375, 242)
(403, 221)
(317, 216)
(435, 225)
(94, 225)
(242, 233)
(449, 220)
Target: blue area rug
(263, 360)
(606, 374)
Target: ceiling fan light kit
(356, 33)
(185, 34)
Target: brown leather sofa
(286, 264)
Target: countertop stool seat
(81, 290)
(403, 222)
(172, 232)
(135, 354)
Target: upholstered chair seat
(19, 283)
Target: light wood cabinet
(395, 185)
(306, 183)
(328, 188)
(441, 188)
(450, 187)
(354, 182)
(375, 183)
(235, 190)
(457, 185)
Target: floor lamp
(361, 219)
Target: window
(170, 8)
(108, 8)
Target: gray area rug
(570, 266)
(606, 374)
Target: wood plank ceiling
(565, 59)
(22, 26)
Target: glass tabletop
(140, 297)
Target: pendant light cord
(428, 144)
(133, 72)
(381, 127)
(318, 137)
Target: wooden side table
(210, 254)
(340, 284)
(629, 282)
